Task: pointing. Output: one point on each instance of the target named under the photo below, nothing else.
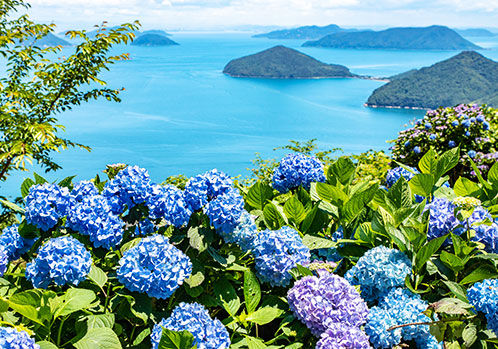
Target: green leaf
(454, 262)
(265, 315)
(314, 242)
(399, 194)
(99, 338)
(258, 195)
(226, 295)
(272, 217)
(252, 291)
(176, 340)
(465, 187)
(255, 343)
(328, 193)
(32, 304)
(428, 163)
(196, 239)
(469, 334)
(75, 299)
(451, 306)
(457, 290)
(422, 184)
(12, 206)
(426, 252)
(39, 179)
(195, 279)
(46, 345)
(493, 174)
(357, 202)
(26, 184)
(479, 274)
(97, 276)
(142, 336)
(447, 161)
(100, 320)
(343, 169)
(67, 182)
(294, 210)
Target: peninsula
(305, 33)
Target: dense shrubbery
(329, 260)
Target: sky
(236, 14)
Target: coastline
(393, 107)
(361, 77)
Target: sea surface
(180, 115)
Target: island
(475, 32)
(153, 31)
(281, 62)
(153, 40)
(426, 38)
(467, 77)
(305, 33)
(49, 40)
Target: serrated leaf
(479, 274)
(265, 315)
(426, 252)
(99, 338)
(97, 276)
(226, 295)
(428, 162)
(75, 299)
(258, 195)
(252, 291)
(46, 345)
(343, 170)
(447, 161)
(465, 187)
(294, 210)
(175, 340)
(100, 320)
(25, 186)
(39, 179)
(315, 242)
(422, 184)
(273, 218)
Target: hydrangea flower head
(484, 233)
(168, 202)
(10, 338)
(442, 218)
(93, 216)
(417, 150)
(4, 261)
(13, 243)
(276, 252)
(466, 202)
(379, 270)
(63, 260)
(342, 336)
(483, 296)
(46, 204)
(393, 175)
(297, 170)
(145, 227)
(225, 210)
(202, 188)
(244, 234)
(154, 266)
(130, 187)
(321, 301)
(83, 189)
(193, 317)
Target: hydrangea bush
(320, 259)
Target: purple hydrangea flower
(393, 175)
(442, 219)
(342, 336)
(297, 170)
(319, 302)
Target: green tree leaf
(252, 291)
(99, 338)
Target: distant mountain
(475, 32)
(305, 33)
(153, 31)
(465, 78)
(153, 40)
(281, 62)
(50, 40)
(137, 33)
(428, 38)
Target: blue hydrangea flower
(455, 123)
(193, 317)
(393, 175)
(485, 125)
(451, 144)
(13, 243)
(130, 187)
(83, 189)
(224, 211)
(407, 144)
(416, 150)
(45, 204)
(10, 338)
(276, 252)
(379, 270)
(342, 336)
(472, 153)
(297, 170)
(484, 233)
(331, 254)
(483, 296)
(466, 123)
(321, 301)
(63, 260)
(244, 234)
(4, 260)
(144, 228)
(168, 202)
(398, 307)
(432, 137)
(93, 216)
(467, 133)
(202, 188)
(154, 266)
(428, 126)
(442, 218)
(480, 118)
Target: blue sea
(180, 115)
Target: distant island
(153, 40)
(465, 78)
(305, 33)
(427, 38)
(475, 32)
(281, 62)
(49, 40)
(153, 31)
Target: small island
(467, 77)
(281, 62)
(305, 33)
(427, 38)
(49, 40)
(475, 32)
(153, 40)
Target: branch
(5, 167)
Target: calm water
(180, 114)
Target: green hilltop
(281, 62)
(306, 33)
(427, 38)
(153, 40)
(465, 78)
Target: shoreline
(373, 78)
(393, 107)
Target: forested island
(475, 32)
(306, 32)
(281, 62)
(427, 38)
(153, 40)
(465, 78)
